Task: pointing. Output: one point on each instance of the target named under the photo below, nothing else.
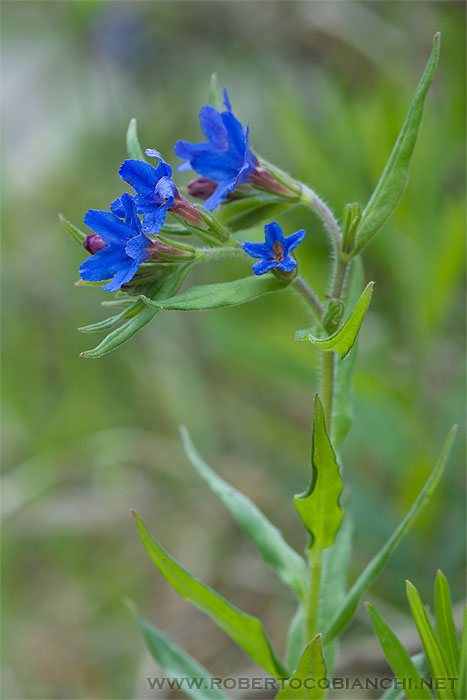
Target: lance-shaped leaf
(462, 681)
(394, 178)
(343, 340)
(241, 214)
(445, 624)
(73, 230)
(346, 611)
(130, 311)
(308, 681)
(215, 99)
(398, 693)
(430, 642)
(398, 658)
(246, 630)
(166, 285)
(285, 561)
(195, 680)
(319, 506)
(132, 141)
(215, 296)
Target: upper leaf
(343, 340)
(445, 624)
(246, 630)
(306, 679)
(394, 178)
(319, 506)
(214, 296)
(73, 230)
(177, 663)
(133, 145)
(275, 551)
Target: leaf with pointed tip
(398, 658)
(346, 611)
(246, 630)
(73, 230)
(429, 640)
(215, 99)
(177, 663)
(343, 340)
(133, 145)
(285, 561)
(215, 296)
(240, 214)
(319, 506)
(311, 667)
(445, 624)
(166, 285)
(128, 312)
(395, 176)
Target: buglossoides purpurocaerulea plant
(142, 249)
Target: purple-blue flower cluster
(276, 250)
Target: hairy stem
(309, 296)
(320, 207)
(316, 560)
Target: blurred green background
(325, 87)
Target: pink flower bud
(93, 243)
(202, 187)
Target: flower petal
(117, 208)
(220, 193)
(263, 266)
(213, 127)
(293, 240)
(166, 189)
(287, 264)
(125, 274)
(256, 250)
(273, 233)
(142, 176)
(236, 135)
(227, 104)
(109, 227)
(218, 165)
(154, 219)
(137, 248)
(103, 265)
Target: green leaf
(128, 312)
(398, 658)
(246, 630)
(241, 214)
(343, 340)
(215, 99)
(318, 506)
(285, 561)
(177, 663)
(394, 178)
(429, 640)
(296, 637)
(310, 670)
(398, 693)
(166, 285)
(78, 235)
(132, 141)
(462, 682)
(215, 296)
(445, 623)
(346, 611)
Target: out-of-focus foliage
(325, 87)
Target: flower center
(278, 251)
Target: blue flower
(226, 158)
(125, 246)
(275, 251)
(156, 191)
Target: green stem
(311, 199)
(316, 562)
(309, 296)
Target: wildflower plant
(138, 250)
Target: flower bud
(187, 211)
(161, 250)
(93, 243)
(351, 220)
(201, 187)
(261, 177)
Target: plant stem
(309, 296)
(311, 199)
(314, 591)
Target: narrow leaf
(246, 630)
(398, 693)
(195, 680)
(215, 93)
(445, 623)
(429, 640)
(285, 561)
(304, 683)
(215, 296)
(169, 283)
(398, 658)
(462, 681)
(75, 232)
(241, 214)
(318, 506)
(368, 576)
(296, 637)
(342, 341)
(394, 178)
(132, 141)
(128, 312)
